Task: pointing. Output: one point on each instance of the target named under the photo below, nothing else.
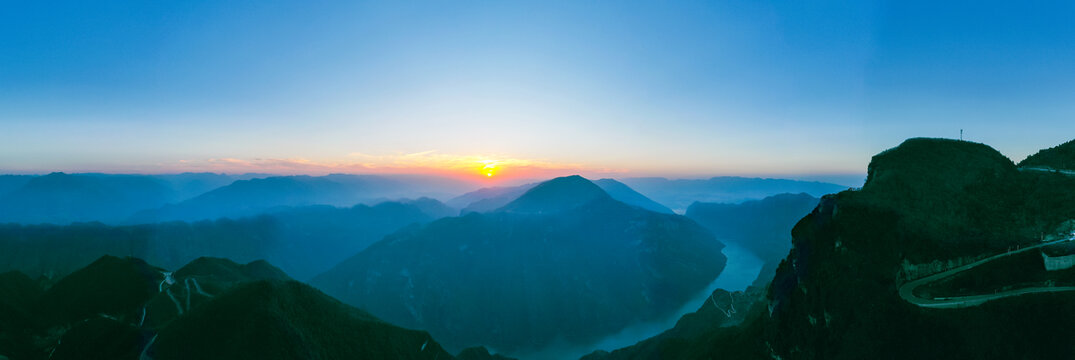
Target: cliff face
(835, 295)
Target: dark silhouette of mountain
(200, 282)
(761, 226)
(491, 199)
(556, 195)
(479, 353)
(679, 194)
(257, 196)
(1060, 157)
(563, 261)
(927, 205)
(110, 310)
(304, 241)
(286, 320)
(18, 301)
(109, 285)
(625, 194)
(227, 271)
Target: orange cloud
(486, 168)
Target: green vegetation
(1011, 272)
(835, 295)
(230, 311)
(287, 320)
(1060, 157)
(110, 285)
(928, 199)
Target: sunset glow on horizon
(516, 91)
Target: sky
(528, 89)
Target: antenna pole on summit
(960, 134)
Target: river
(739, 272)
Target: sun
(489, 169)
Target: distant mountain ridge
(304, 241)
(678, 194)
(255, 196)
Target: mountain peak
(927, 162)
(556, 195)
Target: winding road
(906, 291)
(1051, 170)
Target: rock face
(562, 262)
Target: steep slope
(625, 194)
(680, 193)
(110, 285)
(564, 261)
(1060, 157)
(286, 320)
(18, 298)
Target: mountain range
(562, 262)
(678, 194)
(112, 309)
(305, 241)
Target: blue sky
(633, 88)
